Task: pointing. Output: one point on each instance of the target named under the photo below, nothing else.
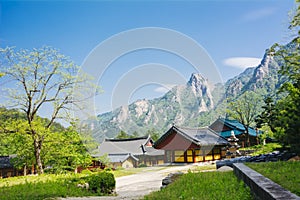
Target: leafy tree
(65, 147)
(153, 133)
(44, 78)
(122, 135)
(135, 134)
(269, 114)
(66, 151)
(245, 110)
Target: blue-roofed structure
(224, 127)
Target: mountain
(182, 102)
(197, 103)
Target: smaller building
(123, 160)
(224, 127)
(131, 152)
(191, 145)
(7, 169)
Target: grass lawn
(40, 187)
(204, 186)
(129, 171)
(286, 174)
(49, 185)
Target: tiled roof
(126, 146)
(199, 136)
(5, 162)
(202, 136)
(120, 157)
(236, 126)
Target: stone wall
(262, 187)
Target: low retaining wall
(262, 187)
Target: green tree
(153, 133)
(122, 135)
(245, 109)
(135, 134)
(269, 114)
(66, 151)
(44, 78)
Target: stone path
(138, 185)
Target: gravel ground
(138, 185)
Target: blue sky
(234, 33)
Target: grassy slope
(286, 174)
(204, 186)
(40, 187)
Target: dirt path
(138, 185)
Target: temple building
(191, 145)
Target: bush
(102, 183)
(142, 165)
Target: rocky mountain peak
(263, 69)
(196, 80)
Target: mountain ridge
(197, 103)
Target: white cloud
(242, 62)
(258, 14)
(164, 89)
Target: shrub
(102, 183)
(142, 165)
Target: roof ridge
(189, 128)
(126, 139)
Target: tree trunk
(37, 153)
(25, 170)
(247, 136)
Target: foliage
(204, 185)
(285, 174)
(122, 135)
(43, 77)
(245, 109)
(263, 149)
(51, 186)
(142, 165)
(102, 183)
(41, 187)
(153, 133)
(104, 159)
(65, 152)
(64, 149)
(268, 115)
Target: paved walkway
(138, 185)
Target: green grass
(263, 149)
(129, 171)
(204, 186)
(50, 185)
(286, 174)
(42, 187)
(203, 168)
